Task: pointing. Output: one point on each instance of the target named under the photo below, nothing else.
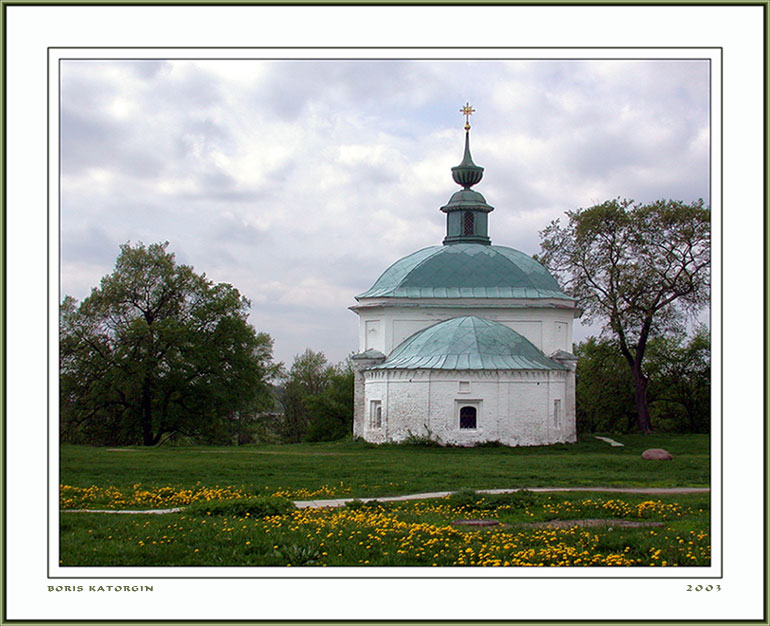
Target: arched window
(468, 223)
(468, 417)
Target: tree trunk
(692, 417)
(147, 437)
(640, 393)
(635, 361)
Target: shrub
(425, 441)
(489, 501)
(489, 444)
(464, 497)
(357, 504)
(515, 500)
(257, 506)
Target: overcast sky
(300, 182)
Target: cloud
(300, 182)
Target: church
(465, 342)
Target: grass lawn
(355, 469)
(230, 497)
(675, 532)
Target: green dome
(466, 270)
(465, 200)
(468, 343)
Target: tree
(157, 349)
(680, 376)
(604, 390)
(679, 372)
(316, 399)
(331, 411)
(309, 376)
(641, 268)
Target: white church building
(465, 342)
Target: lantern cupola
(467, 209)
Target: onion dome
(467, 209)
(467, 173)
(466, 270)
(468, 343)
(467, 265)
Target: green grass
(403, 534)
(237, 514)
(356, 469)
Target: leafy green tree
(157, 349)
(680, 381)
(642, 269)
(331, 411)
(316, 399)
(309, 376)
(604, 390)
(679, 372)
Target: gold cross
(467, 111)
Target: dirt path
(319, 504)
(339, 502)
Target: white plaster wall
(375, 390)
(514, 408)
(385, 327)
(372, 335)
(446, 400)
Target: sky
(300, 182)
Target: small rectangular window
(375, 414)
(465, 386)
(556, 412)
